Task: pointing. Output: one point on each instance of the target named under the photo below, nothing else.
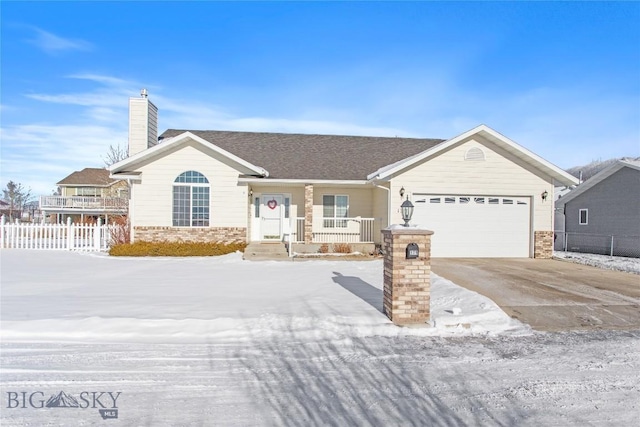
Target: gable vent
(474, 154)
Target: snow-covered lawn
(630, 265)
(70, 296)
(221, 341)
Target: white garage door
(475, 226)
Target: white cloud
(54, 44)
(41, 155)
(564, 126)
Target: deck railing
(81, 203)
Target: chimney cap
(144, 93)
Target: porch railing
(297, 230)
(343, 230)
(80, 203)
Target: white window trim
(335, 210)
(97, 192)
(191, 185)
(586, 222)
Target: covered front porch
(309, 215)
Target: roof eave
(176, 140)
(596, 179)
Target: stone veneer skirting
(543, 244)
(190, 234)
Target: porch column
(308, 213)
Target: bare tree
(18, 197)
(114, 155)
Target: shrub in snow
(342, 248)
(142, 248)
(120, 230)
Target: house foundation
(190, 234)
(407, 275)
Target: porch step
(266, 251)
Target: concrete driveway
(550, 295)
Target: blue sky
(560, 78)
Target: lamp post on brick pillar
(407, 272)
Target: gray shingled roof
(300, 156)
(97, 177)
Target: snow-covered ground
(221, 341)
(619, 263)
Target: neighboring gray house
(602, 215)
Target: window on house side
(88, 191)
(334, 208)
(191, 200)
(584, 216)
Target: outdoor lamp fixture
(402, 192)
(544, 195)
(250, 191)
(407, 211)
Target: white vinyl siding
(499, 174)
(153, 199)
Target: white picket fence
(69, 236)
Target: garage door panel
(473, 226)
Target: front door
(271, 216)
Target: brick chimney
(143, 123)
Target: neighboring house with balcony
(5, 208)
(87, 195)
(602, 215)
(482, 194)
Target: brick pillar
(308, 213)
(543, 244)
(407, 282)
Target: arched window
(191, 200)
